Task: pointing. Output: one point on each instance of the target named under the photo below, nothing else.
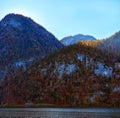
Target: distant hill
(22, 42)
(70, 40)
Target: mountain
(111, 45)
(70, 40)
(22, 42)
(77, 75)
(42, 72)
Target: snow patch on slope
(23, 64)
(80, 57)
(63, 68)
(19, 64)
(116, 89)
(70, 69)
(103, 71)
(60, 70)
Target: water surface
(59, 113)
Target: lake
(59, 113)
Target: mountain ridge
(22, 39)
(70, 40)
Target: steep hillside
(70, 40)
(22, 42)
(78, 75)
(112, 45)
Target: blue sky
(100, 18)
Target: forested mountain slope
(22, 42)
(78, 75)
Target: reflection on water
(58, 113)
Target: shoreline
(58, 106)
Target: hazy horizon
(65, 18)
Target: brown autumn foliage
(81, 88)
